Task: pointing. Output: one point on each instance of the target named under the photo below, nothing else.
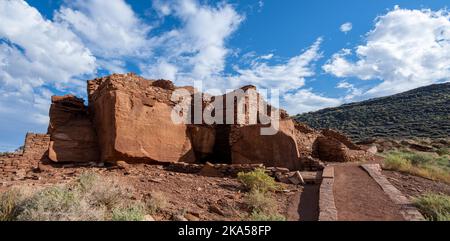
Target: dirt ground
(201, 197)
(413, 186)
(358, 197)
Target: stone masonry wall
(16, 166)
(36, 146)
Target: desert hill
(421, 112)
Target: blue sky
(317, 53)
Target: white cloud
(285, 77)
(405, 50)
(36, 52)
(110, 29)
(196, 49)
(266, 57)
(306, 100)
(346, 27)
(289, 79)
(352, 91)
(162, 7)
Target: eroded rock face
(72, 136)
(133, 120)
(279, 150)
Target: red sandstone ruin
(128, 119)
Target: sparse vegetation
(258, 180)
(87, 198)
(260, 202)
(425, 165)
(8, 204)
(443, 151)
(134, 212)
(435, 207)
(260, 216)
(156, 202)
(259, 198)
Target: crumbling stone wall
(17, 165)
(36, 146)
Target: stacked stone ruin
(128, 119)
(17, 165)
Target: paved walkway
(358, 197)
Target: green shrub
(258, 180)
(443, 151)
(434, 207)
(260, 216)
(394, 161)
(50, 204)
(263, 207)
(260, 201)
(420, 158)
(134, 212)
(86, 181)
(109, 193)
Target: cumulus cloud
(305, 100)
(110, 29)
(35, 53)
(352, 93)
(285, 76)
(405, 50)
(36, 50)
(346, 27)
(195, 50)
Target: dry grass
(419, 164)
(156, 202)
(90, 197)
(435, 207)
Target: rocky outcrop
(132, 117)
(129, 120)
(72, 135)
(249, 146)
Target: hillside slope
(422, 112)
